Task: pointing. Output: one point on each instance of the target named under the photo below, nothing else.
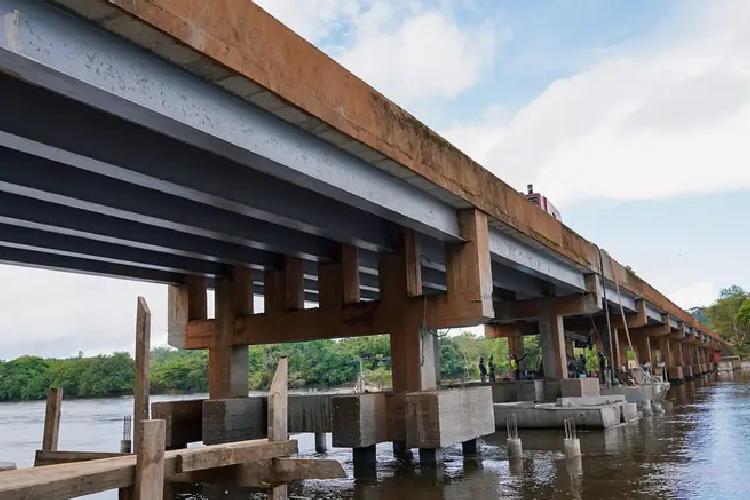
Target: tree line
(729, 316)
(318, 363)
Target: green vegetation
(319, 363)
(729, 316)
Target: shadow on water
(699, 448)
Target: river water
(700, 448)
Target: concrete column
(470, 448)
(321, 444)
(515, 348)
(414, 359)
(552, 340)
(364, 461)
(400, 450)
(430, 457)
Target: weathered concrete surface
(549, 415)
(440, 418)
(579, 387)
(238, 419)
(240, 47)
(676, 374)
(636, 394)
(183, 421)
(359, 420)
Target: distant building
(542, 201)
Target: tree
(730, 316)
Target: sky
(632, 116)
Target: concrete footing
(430, 457)
(364, 461)
(470, 448)
(400, 450)
(515, 448)
(572, 447)
(321, 442)
(4, 466)
(593, 413)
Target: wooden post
(278, 415)
(149, 468)
(142, 353)
(228, 364)
(52, 419)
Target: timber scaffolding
(213, 148)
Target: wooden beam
(278, 414)
(293, 283)
(149, 466)
(83, 478)
(285, 470)
(468, 276)
(142, 372)
(529, 309)
(52, 410)
(412, 263)
(188, 302)
(349, 274)
(239, 452)
(49, 457)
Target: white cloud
(56, 314)
(671, 120)
(420, 56)
(311, 19)
(694, 294)
(411, 51)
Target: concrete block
(549, 415)
(504, 392)
(226, 420)
(552, 390)
(628, 411)
(675, 374)
(359, 420)
(183, 421)
(439, 418)
(530, 390)
(579, 387)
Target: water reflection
(698, 448)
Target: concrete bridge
(211, 147)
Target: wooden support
(142, 372)
(65, 480)
(227, 362)
(350, 273)
(149, 466)
(293, 284)
(48, 457)
(52, 410)
(531, 309)
(278, 414)
(468, 276)
(185, 303)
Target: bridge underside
(116, 162)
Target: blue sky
(633, 116)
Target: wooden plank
(278, 414)
(197, 303)
(293, 283)
(238, 452)
(50, 457)
(294, 469)
(227, 365)
(52, 410)
(142, 355)
(350, 273)
(68, 480)
(278, 403)
(149, 468)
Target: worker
(482, 370)
(491, 367)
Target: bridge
(210, 147)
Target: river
(699, 449)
